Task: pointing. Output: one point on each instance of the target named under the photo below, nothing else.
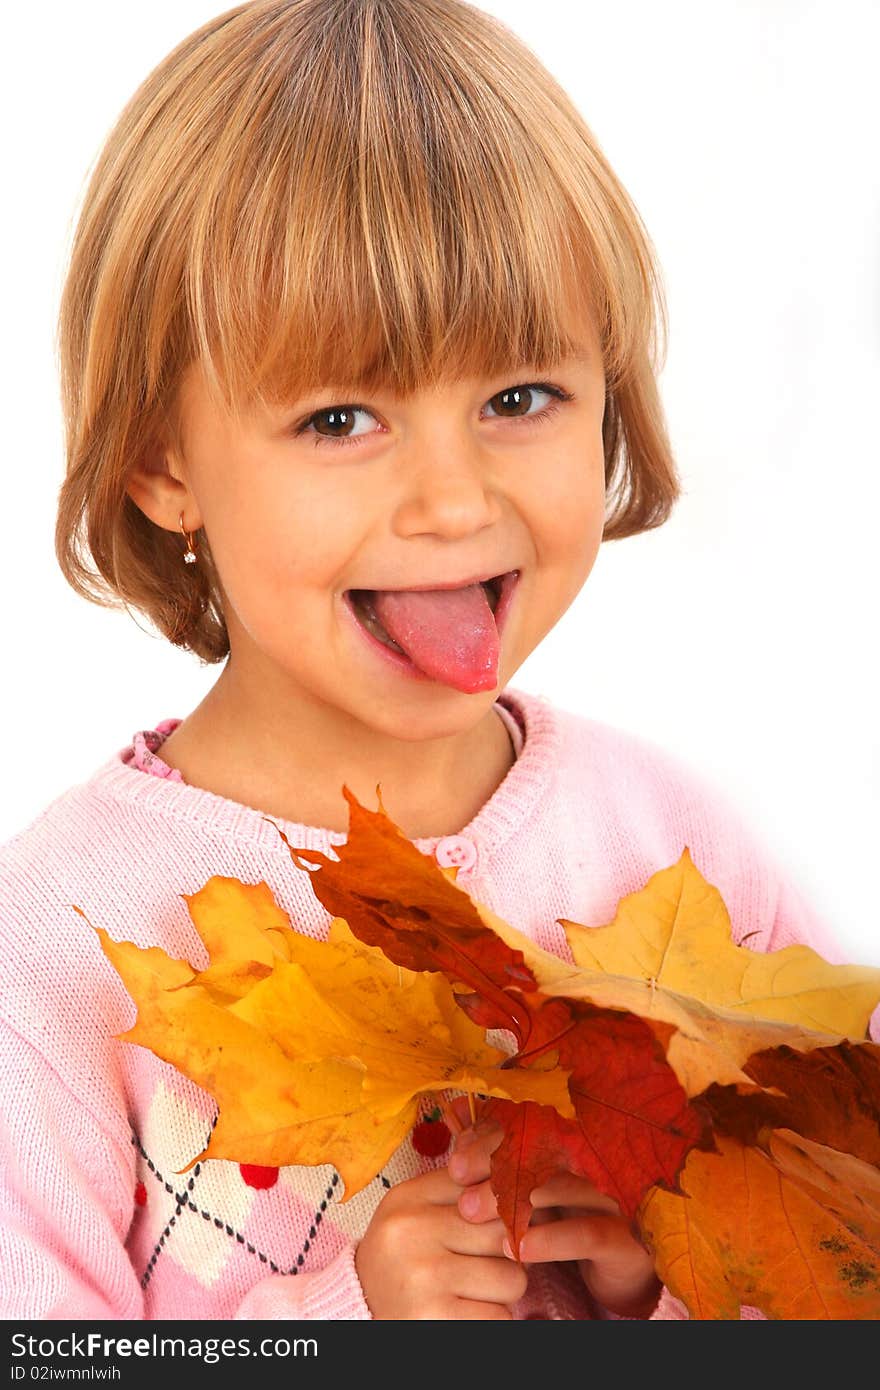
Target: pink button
(456, 849)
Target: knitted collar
(507, 809)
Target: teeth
(492, 590)
(363, 606)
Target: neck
(290, 755)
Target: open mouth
(498, 591)
(364, 610)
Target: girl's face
(337, 491)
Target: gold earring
(189, 554)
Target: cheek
(280, 559)
(285, 541)
(569, 507)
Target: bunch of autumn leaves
(727, 1100)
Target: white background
(742, 635)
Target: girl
(358, 348)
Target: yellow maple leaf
(315, 1051)
(676, 933)
(410, 1038)
(244, 931)
(669, 957)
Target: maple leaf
(829, 1095)
(405, 1031)
(394, 897)
(668, 959)
(314, 1051)
(272, 1111)
(794, 1231)
(706, 1043)
(633, 1123)
(676, 933)
(666, 1064)
(725, 1000)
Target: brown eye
(336, 425)
(338, 418)
(515, 400)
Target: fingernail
(457, 1167)
(469, 1203)
(507, 1248)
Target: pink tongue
(450, 634)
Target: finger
(454, 1122)
(569, 1190)
(541, 1215)
(462, 1237)
(469, 1114)
(470, 1161)
(470, 1111)
(486, 1278)
(435, 1187)
(478, 1202)
(585, 1236)
(466, 1110)
(417, 1226)
(468, 1310)
(481, 1132)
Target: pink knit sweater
(94, 1220)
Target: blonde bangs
(360, 193)
(401, 225)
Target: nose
(452, 490)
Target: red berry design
(257, 1176)
(140, 1195)
(431, 1136)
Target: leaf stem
(452, 1121)
(539, 1051)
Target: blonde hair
(304, 191)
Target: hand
(571, 1220)
(420, 1258)
(614, 1265)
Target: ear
(157, 485)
